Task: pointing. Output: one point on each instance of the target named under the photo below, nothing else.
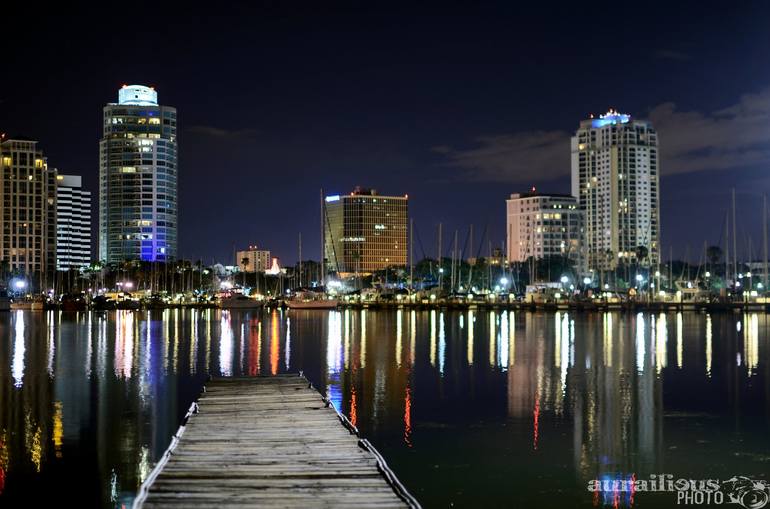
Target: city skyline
(449, 117)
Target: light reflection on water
(470, 408)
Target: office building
(73, 223)
(257, 260)
(364, 232)
(28, 201)
(542, 225)
(138, 208)
(615, 177)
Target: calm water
(473, 409)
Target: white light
(225, 285)
(20, 284)
(657, 273)
(748, 274)
(738, 283)
(759, 285)
(504, 281)
(639, 277)
(586, 280)
(441, 270)
(606, 286)
(708, 274)
(336, 197)
(564, 279)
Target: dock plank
(269, 442)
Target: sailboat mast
(323, 219)
(300, 260)
(735, 240)
(411, 254)
(727, 247)
(764, 242)
(438, 257)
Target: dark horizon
(456, 106)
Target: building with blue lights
(615, 178)
(138, 208)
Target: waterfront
(469, 408)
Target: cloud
(668, 54)
(730, 138)
(518, 157)
(734, 137)
(218, 132)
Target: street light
(564, 279)
(504, 281)
(20, 284)
(586, 281)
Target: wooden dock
(269, 442)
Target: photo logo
(749, 493)
(621, 489)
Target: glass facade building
(365, 232)
(138, 210)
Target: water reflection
(453, 400)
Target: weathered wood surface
(268, 442)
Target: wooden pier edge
(388, 475)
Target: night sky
(458, 106)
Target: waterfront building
(138, 208)
(73, 223)
(257, 260)
(615, 178)
(541, 225)
(28, 205)
(364, 232)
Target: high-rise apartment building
(615, 177)
(28, 203)
(364, 232)
(138, 210)
(257, 260)
(542, 225)
(73, 223)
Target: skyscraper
(28, 204)
(615, 177)
(364, 232)
(73, 223)
(138, 210)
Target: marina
(467, 407)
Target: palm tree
(245, 263)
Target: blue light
(336, 197)
(611, 118)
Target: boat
(311, 300)
(73, 302)
(28, 304)
(239, 301)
